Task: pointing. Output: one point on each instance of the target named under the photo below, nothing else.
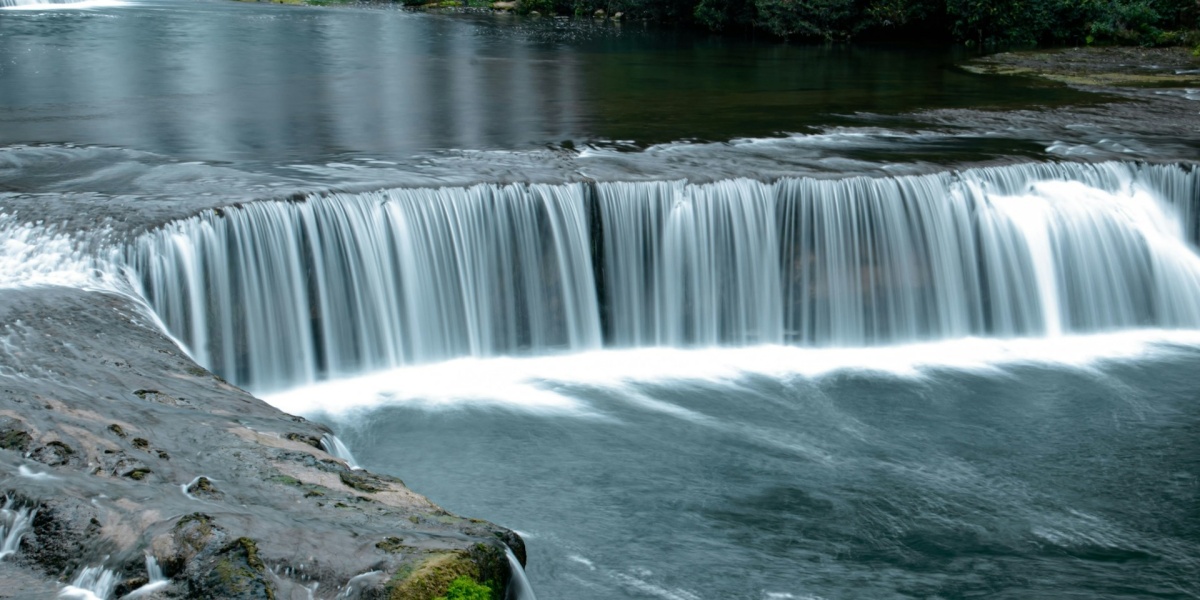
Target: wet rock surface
(1147, 104)
(229, 495)
(1131, 66)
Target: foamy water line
(276, 295)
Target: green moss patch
(15, 439)
(313, 441)
(239, 572)
(360, 483)
(286, 480)
(194, 531)
(138, 474)
(433, 577)
(392, 545)
(465, 588)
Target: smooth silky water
(700, 318)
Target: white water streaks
(545, 385)
(92, 583)
(361, 582)
(860, 262)
(28, 473)
(184, 487)
(279, 293)
(15, 521)
(33, 254)
(155, 580)
(518, 586)
(331, 444)
(275, 295)
(41, 5)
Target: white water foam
(33, 254)
(334, 446)
(14, 522)
(155, 580)
(639, 583)
(184, 487)
(362, 580)
(92, 583)
(537, 385)
(42, 5)
(583, 561)
(28, 473)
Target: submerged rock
(127, 449)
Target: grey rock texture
(127, 448)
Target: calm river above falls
(701, 318)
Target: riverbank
(115, 447)
(1141, 94)
(1098, 66)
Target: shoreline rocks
(1098, 66)
(125, 448)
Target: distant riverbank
(1048, 23)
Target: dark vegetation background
(983, 22)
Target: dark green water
(258, 84)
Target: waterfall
(14, 522)
(40, 3)
(155, 580)
(277, 294)
(1014, 251)
(518, 584)
(334, 446)
(92, 583)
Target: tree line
(1008, 22)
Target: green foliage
(1126, 21)
(465, 588)
(900, 14)
(545, 7)
(1071, 21)
(826, 19)
(724, 15)
(986, 22)
(990, 22)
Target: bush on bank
(984, 22)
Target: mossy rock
(286, 480)
(129, 584)
(160, 398)
(465, 588)
(194, 531)
(432, 577)
(238, 573)
(313, 441)
(205, 488)
(54, 454)
(392, 545)
(361, 483)
(15, 439)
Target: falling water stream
(274, 295)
